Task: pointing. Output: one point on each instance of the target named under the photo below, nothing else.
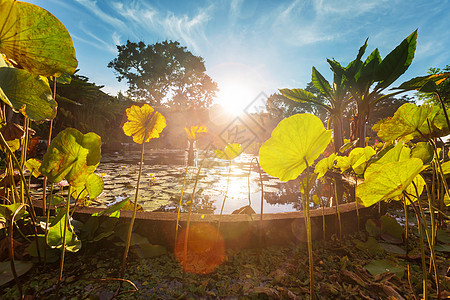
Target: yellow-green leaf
(35, 39)
(192, 131)
(28, 93)
(389, 181)
(72, 156)
(358, 158)
(296, 140)
(324, 165)
(230, 152)
(33, 166)
(143, 123)
(398, 153)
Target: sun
(235, 97)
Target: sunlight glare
(235, 97)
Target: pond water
(162, 181)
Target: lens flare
(205, 249)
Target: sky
(251, 47)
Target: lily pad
(296, 140)
(389, 181)
(35, 39)
(72, 156)
(6, 274)
(377, 267)
(28, 93)
(144, 123)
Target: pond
(162, 181)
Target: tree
(443, 89)
(336, 101)
(84, 106)
(360, 76)
(164, 74)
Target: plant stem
(11, 249)
(133, 217)
(337, 209)
(63, 250)
(181, 200)
(308, 234)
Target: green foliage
(72, 156)
(164, 74)
(35, 39)
(389, 181)
(412, 121)
(295, 142)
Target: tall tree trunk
(338, 133)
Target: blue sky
(255, 46)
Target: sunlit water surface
(162, 180)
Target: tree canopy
(164, 74)
(443, 89)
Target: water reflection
(162, 180)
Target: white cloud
(190, 30)
(97, 42)
(91, 5)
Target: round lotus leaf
(35, 39)
(296, 140)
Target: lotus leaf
(424, 151)
(296, 140)
(72, 156)
(419, 182)
(324, 165)
(397, 153)
(143, 122)
(358, 158)
(92, 187)
(410, 121)
(377, 267)
(230, 152)
(8, 211)
(27, 93)
(33, 166)
(389, 181)
(56, 233)
(35, 39)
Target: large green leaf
(324, 165)
(35, 39)
(359, 157)
(389, 181)
(28, 93)
(366, 74)
(397, 153)
(55, 236)
(417, 83)
(72, 156)
(93, 187)
(410, 121)
(424, 151)
(294, 141)
(300, 95)
(321, 83)
(377, 267)
(396, 62)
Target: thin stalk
(410, 283)
(226, 195)
(309, 238)
(11, 250)
(47, 221)
(443, 108)
(422, 250)
(185, 246)
(405, 208)
(23, 156)
(63, 250)
(323, 219)
(337, 209)
(49, 139)
(181, 200)
(430, 244)
(356, 202)
(133, 217)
